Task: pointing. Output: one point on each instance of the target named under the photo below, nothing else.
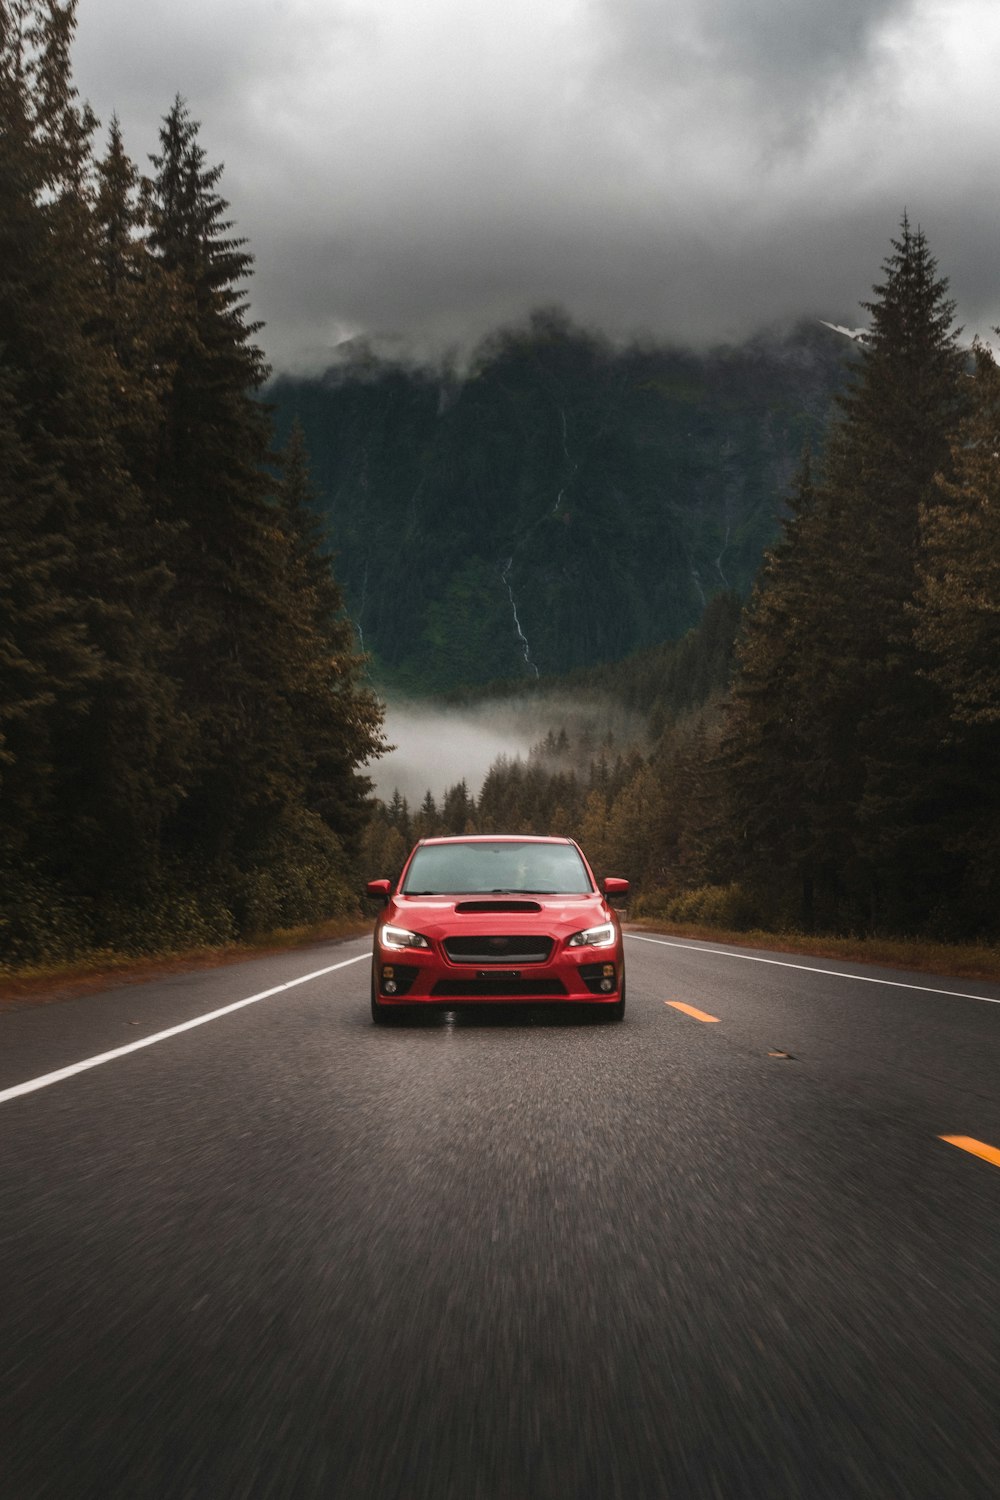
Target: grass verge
(101, 971)
(947, 960)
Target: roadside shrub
(39, 923)
(727, 906)
(170, 918)
(297, 873)
(649, 903)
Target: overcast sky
(690, 169)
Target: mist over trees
(182, 710)
(585, 781)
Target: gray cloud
(779, 60)
(684, 168)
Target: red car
(497, 918)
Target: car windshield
(496, 869)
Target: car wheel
(616, 1012)
(384, 1015)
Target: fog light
(607, 985)
(389, 986)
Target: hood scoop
(472, 906)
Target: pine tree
(138, 309)
(263, 651)
(458, 808)
(337, 718)
(103, 736)
(398, 814)
(383, 851)
(838, 750)
(211, 487)
(958, 601)
(47, 663)
(895, 436)
(957, 624)
(777, 783)
(593, 835)
(632, 832)
(427, 820)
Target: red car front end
(493, 920)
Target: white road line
(161, 1036)
(781, 963)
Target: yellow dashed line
(689, 1010)
(975, 1148)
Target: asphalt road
(289, 1254)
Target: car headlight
(594, 937)
(399, 937)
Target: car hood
(443, 916)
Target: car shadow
(509, 1017)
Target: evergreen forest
(780, 564)
(184, 718)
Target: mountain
(561, 501)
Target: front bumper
(411, 977)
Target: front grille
(497, 949)
(497, 989)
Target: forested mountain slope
(846, 781)
(562, 502)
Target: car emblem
(499, 943)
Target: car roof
(496, 838)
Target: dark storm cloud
(684, 168)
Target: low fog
(435, 749)
(439, 745)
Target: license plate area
(500, 975)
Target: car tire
(612, 1013)
(384, 1015)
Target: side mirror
(379, 889)
(614, 886)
